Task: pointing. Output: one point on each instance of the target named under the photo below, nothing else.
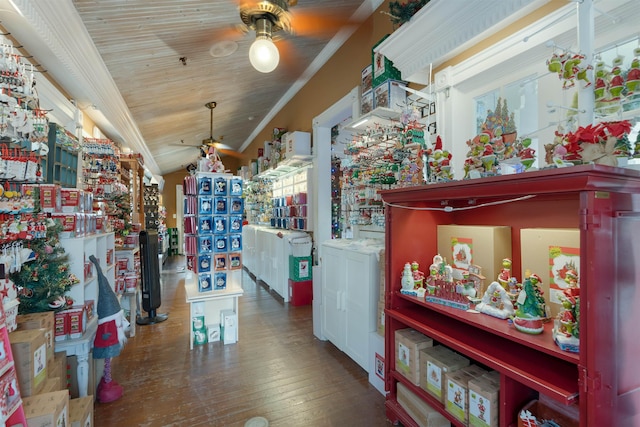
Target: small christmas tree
(402, 12)
(42, 282)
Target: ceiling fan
(275, 23)
(267, 17)
(211, 141)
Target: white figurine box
(482, 245)
(550, 253)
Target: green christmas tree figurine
(531, 310)
(43, 281)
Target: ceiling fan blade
(220, 146)
(290, 63)
(319, 23)
(230, 153)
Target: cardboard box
(29, 348)
(423, 414)
(228, 326)
(50, 198)
(465, 245)
(300, 292)
(484, 402)
(53, 384)
(366, 80)
(366, 102)
(296, 144)
(380, 328)
(47, 409)
(44, 321)
(383, 68)
(72, 200)
(300, 268)
(549, 253)
(435, 363)
(457, 402)
(81, 412)
(58, 367)
(390, 94)
(546, 409)
(409, 342)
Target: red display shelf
(603, 204)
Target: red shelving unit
(604, 204)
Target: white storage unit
(350, 291)
(269, 256)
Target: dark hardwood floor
(277, 370)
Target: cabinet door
(248, 247)
(358, 308)
(332, 264)
(280, 262)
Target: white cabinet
(268, 251)
(249, 247)
(350, 291)
(79, 249)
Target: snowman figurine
(407, 278)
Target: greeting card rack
(604, 204)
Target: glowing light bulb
(264, 55)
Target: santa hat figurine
(110, 336)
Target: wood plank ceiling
(164, 58)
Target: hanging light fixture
(265, 18)
(263, 54)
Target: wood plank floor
(277, 370)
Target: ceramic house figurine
(496, 302)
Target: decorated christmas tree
(43, 281)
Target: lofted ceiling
(143, 70)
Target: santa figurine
(110, 336)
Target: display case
(292, 207)
(603, 203)
(61, 164)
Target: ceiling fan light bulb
(264, 55)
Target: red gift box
(61, 326)
(75, 320)
(72, 200)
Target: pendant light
(263, 54)
(266, 17)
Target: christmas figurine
(110, 336)
(530, 314)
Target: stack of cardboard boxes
(42, 375)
